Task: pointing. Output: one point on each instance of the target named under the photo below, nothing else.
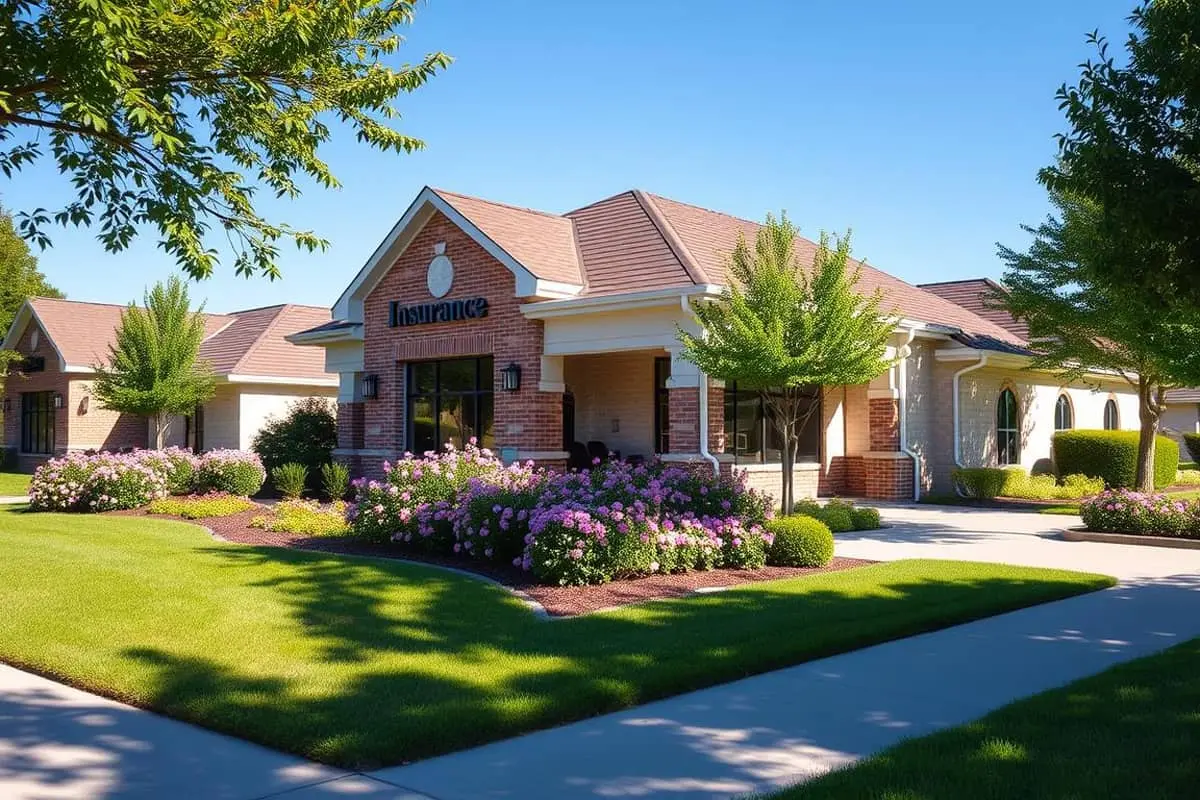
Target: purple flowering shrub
(1153, 514)
(490, 518)
(93, 483)
(237, 472)
(414, 503)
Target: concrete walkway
(12, 501)
(754, 735)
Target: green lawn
(362, 662)
(1131, 732)
(14, 484)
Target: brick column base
(888, 476)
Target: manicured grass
(14, 484)
(1131, 732)
(363, 662)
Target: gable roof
(971, 294)
(246, 344)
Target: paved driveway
(1011, 537)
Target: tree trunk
(161, 423)
(1148, 414)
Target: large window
(752, 438)
(1008, 448)
(37, 422)
(662, 405)
(1063, 416)
(450, 401)
(1112, 422)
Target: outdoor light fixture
(84, 404)
(58, 400)
(370, 386)
(510, 377)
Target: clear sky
(919, 124)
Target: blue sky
(920, 125)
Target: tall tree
(153, 368)
(168, 114)
(1134, 147)
(782, 327)
(19, 280)
(1078, 323)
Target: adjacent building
(553, 337)
(49, 406)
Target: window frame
(1008, 448)
(1111, 404)
(662, 405)
(484, 377)
(38, 423)
(1063, 407)
(762, 421)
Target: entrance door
(568, 421)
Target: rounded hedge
(865, 518)
(799, 542)
(1112, 455)
(1192, 442)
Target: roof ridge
(595, 203)
(498, 203)
(673, 240)
(261, 336)
(982, 279)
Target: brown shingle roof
(243, 342)
(543, 243)
(970, 295)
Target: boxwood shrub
(1192, 442)
(799, 541)
(1112, 455)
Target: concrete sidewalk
(773, 730)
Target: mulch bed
(558, 601)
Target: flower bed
(201, 506)
(104, 481)
(1143, 514)
(305, 517)
(613, 521)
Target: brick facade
(884, 424)
(888, 477)
(81, 423)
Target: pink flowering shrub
(1153, 514)
(414, 503)
(237, 472)
(99, 482)
(177, 465)
(490, 517)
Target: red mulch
(559, 601)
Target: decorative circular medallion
(441, 272)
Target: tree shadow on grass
(409, 662)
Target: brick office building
(547, 335)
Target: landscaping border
(1083, 535)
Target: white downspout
(982, 362)
(716, 465)
(903, 410)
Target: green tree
(153, 368)
(19, 280)
(1134, 147)
(1078, 323)
(169, 114)
(781, 328)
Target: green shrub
(290, 479)
(799, 541)
(201, 506)
(865, 519)
(838, 520)
(1192, 442)
(306, 435)
(1112, 455)
(982, 483)
(176, 464)
(335, 480)
(233, 471)
(306, 517)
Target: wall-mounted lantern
(84, 404)
(510, 377)
(370, 387)
(58, 400)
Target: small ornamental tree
(153, 367)
(781, 328)
(1079, 322)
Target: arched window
(1111, 421)
(1008, 448)
(1063, 416)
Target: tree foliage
(169, 114)
(1134, 147)
(1079, 323)
(153, 367)
(782, 327)
(20, 279)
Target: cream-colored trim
(25, 314)
(650, 298)
(890, 393)
(319, 338)
(331, 381)
(802, 466)
(542, 455)
(886, 455)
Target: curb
(1080, 535)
